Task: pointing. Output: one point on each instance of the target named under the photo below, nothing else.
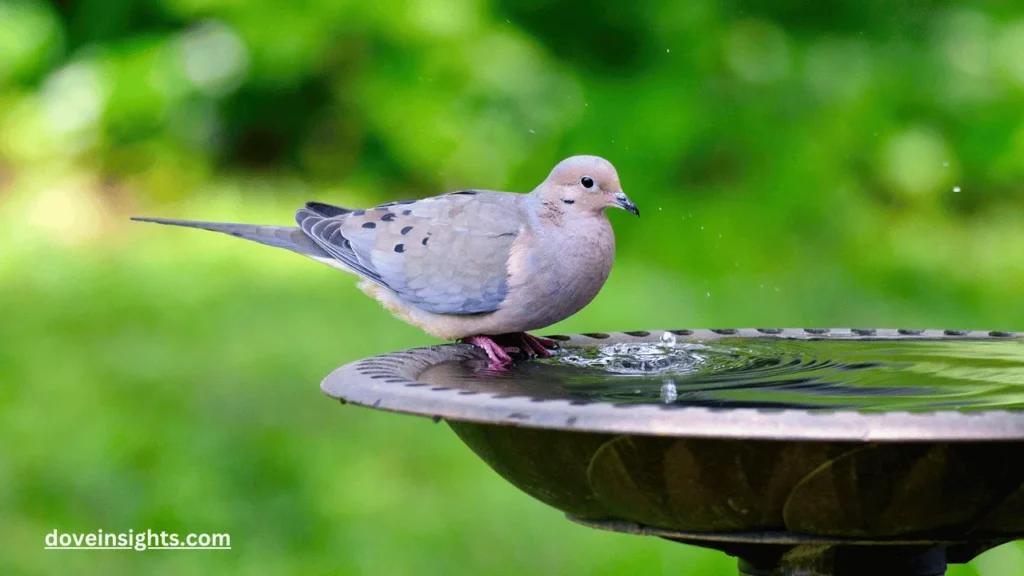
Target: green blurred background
(798, 163)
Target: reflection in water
(870, 375)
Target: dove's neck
(553, 217)
(584, 241)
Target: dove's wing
(447, 254)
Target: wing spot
(406, 212)
(399, 248)
(425, 241)
(406, 230)
(358, 212)
(388, 217)
(369, 225)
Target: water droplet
(659, 207)
(701, 227)
(667, 50)
(669, 392)
(532, 132)
(668, 339)
(708, 294)
(956, 188)
(946, 164)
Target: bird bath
(802, 452)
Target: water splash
(644, 358)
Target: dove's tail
(287, 237)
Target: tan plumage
(471, 263)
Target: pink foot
(536, 345)
(498, 355)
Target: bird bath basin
(801, 452)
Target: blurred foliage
(858, 162)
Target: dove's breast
(555, 274)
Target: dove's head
(585, 183)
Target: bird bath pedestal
(788, 490)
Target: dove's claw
(500, 354)
(497, 353)
(538, 346)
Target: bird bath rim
(390, 382)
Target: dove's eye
(587, 182)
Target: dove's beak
(625, 203)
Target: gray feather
(323, 231)
(287, 237)
(447, 254)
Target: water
(866, 375)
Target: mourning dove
(473, 265)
